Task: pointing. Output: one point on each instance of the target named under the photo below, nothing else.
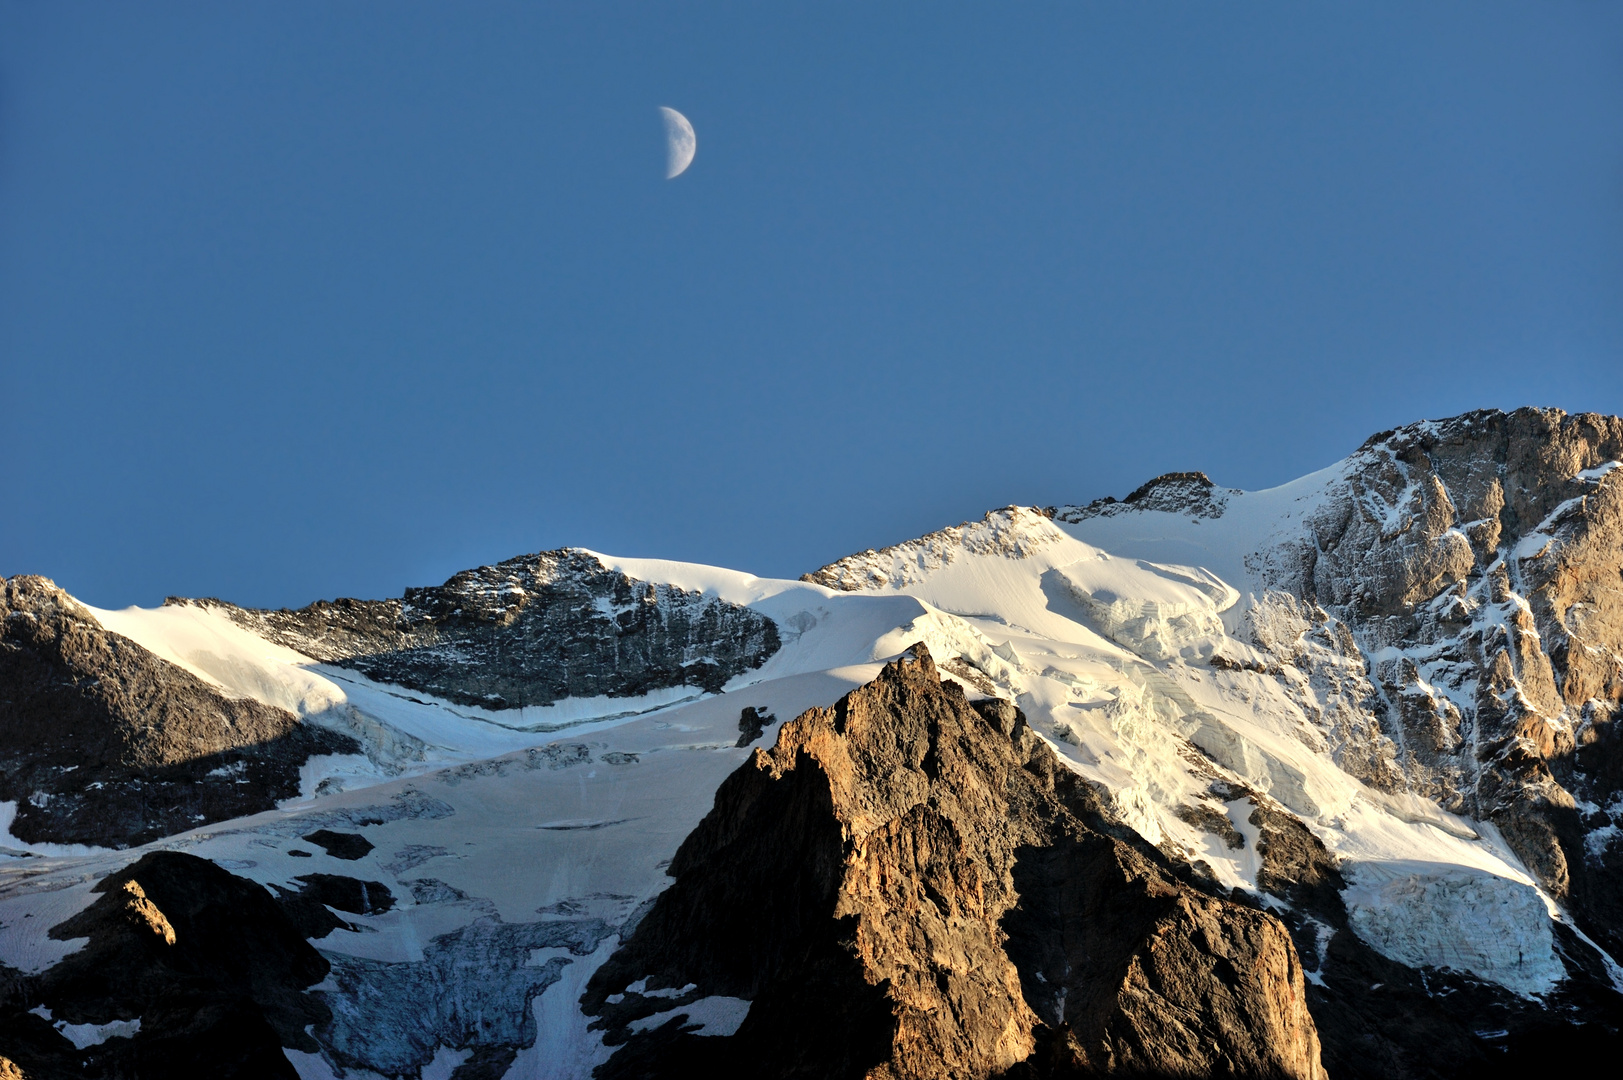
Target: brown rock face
(908, 886)
(102, 742)
(1481, 559)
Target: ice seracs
(1444, 915)
(1165, 612)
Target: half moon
(680, 142)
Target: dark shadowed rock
(927, 880)
(529, 631)
(205, 961)
(486, 1063)
(751, 722)
(101, 742)
(310, 906)
(347, 846)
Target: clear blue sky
(315, 299)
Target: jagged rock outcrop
(188, 970)
(910, 886)
(752, 722)
(1190, 493)
(101, 742)
(529, 631)
(311, 906)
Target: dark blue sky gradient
(314, 299)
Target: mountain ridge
(1375, 705)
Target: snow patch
(83, 1036)
(565, 1048)
(444, 1064)
(715, 1015)
(1599, 471)
(1159, 612)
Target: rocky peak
(195, 971)
(1191, 493)
(926, 878)
(529, 631)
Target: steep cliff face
(926, 879)
(102, 742)
(530, 631)
(1478, 563)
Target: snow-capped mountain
(1321, 780)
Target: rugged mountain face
(102, 742)
(927, 879)
(1443, 612)
(529, 631)
(1451, 613)
(194, 971)
(105, 743)
(1478, 565)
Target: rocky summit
(1319, 781)
(949, 896)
